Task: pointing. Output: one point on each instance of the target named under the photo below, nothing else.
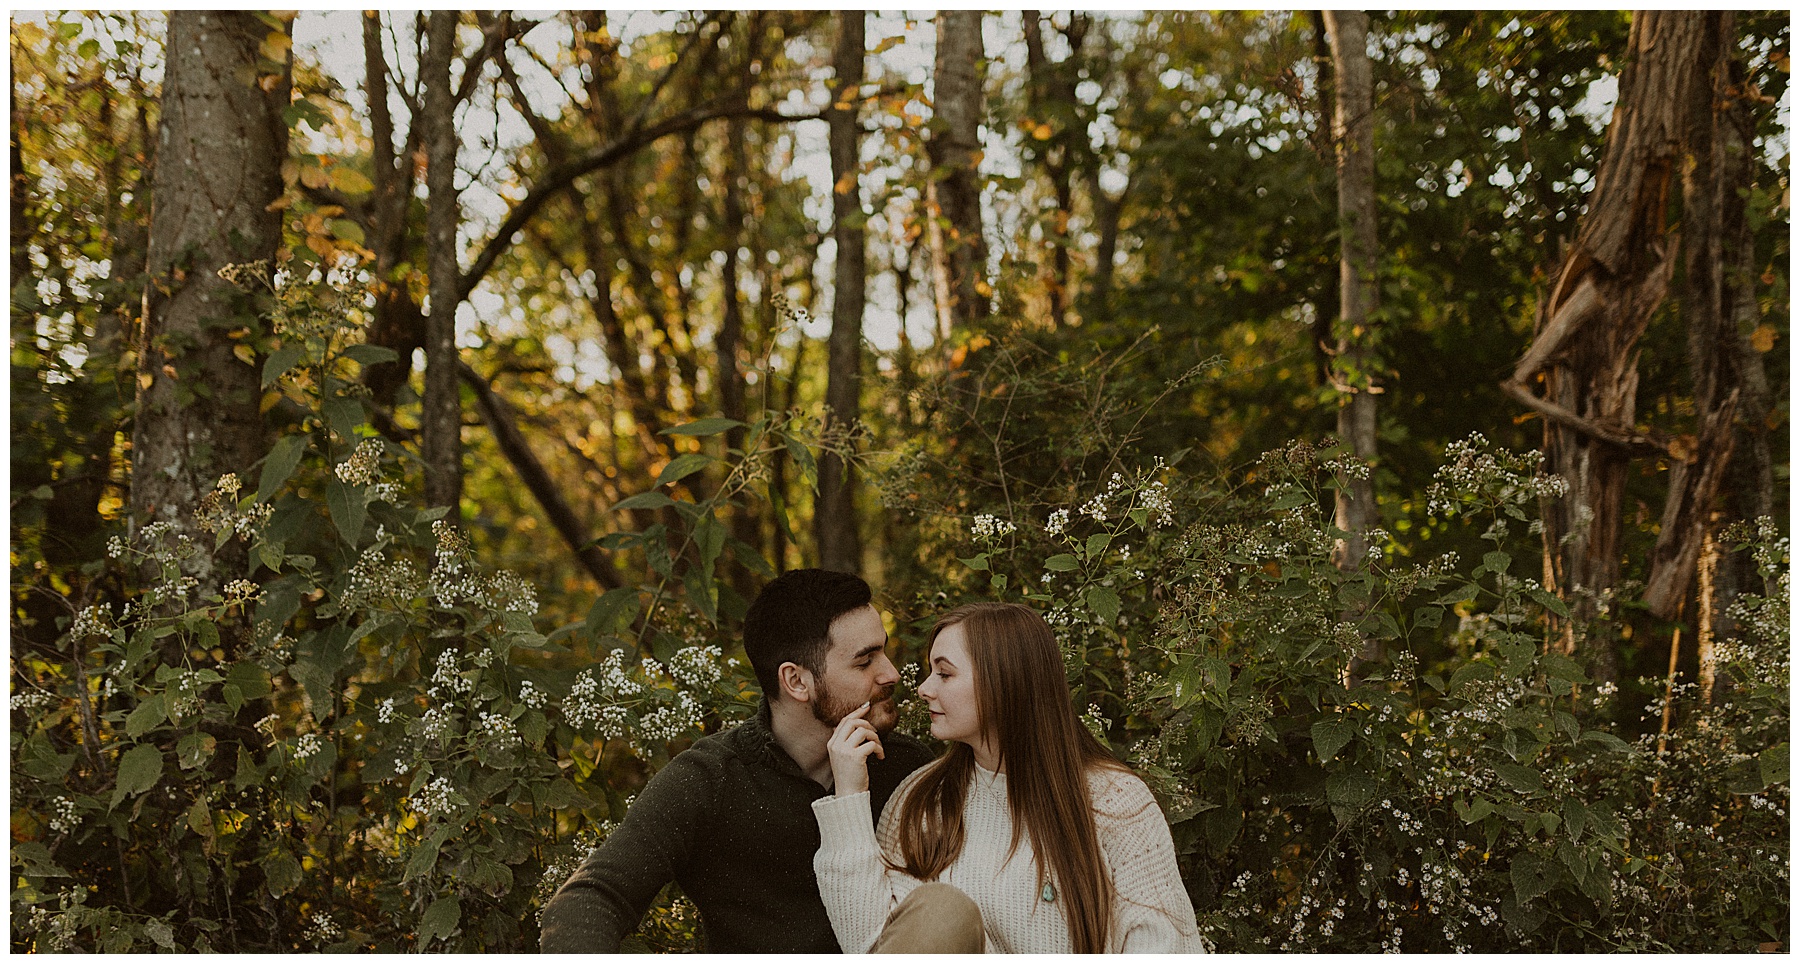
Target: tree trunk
(953, 195)
(1612, 279)
(834, 520)
(1712, 226)
(1352, 370)
(440, 423)
(223, 140)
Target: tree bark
(834, 519)
(223, 140)
(1612, 279)
(440, 422)
(1352, 370)
(953, 194)
(1713, 227)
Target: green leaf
(1575, 815)
(146, 717)
(1558, 666)
(612, 612)
(681, 467)
(1104, 603)
(703, 427)
(1496, 561)
(440, 920)
(1479, 669)
(366, 355)
(1097, 543)
(1331, 735)
(36, 860)
(1062, 562)
(1428, 617)
(426, 856)
(977, 562)
(1348, 792)
(1774, 764)
(281, 361)
(1476, 809)
(347, 510)
(1606, 740)
(284, 458)
(1549, 601)
(750, 559)
(1532, 876)
(643, 500)
(344, 415)
(281, 872)
(194, 750)
(346, 229)
(139, 769)
(1522, 779)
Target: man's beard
(830, 710)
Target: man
(730, 819)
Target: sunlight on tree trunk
(1353, 369)
(834, 521)
(223, 140)
(440, 424)
(954, 191)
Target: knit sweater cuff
(845, 823)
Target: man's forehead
(857, 630)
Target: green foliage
(1396, 756)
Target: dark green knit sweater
(730, 819)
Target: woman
(1061, 847)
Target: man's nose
(888, 675)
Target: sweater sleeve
(1152, 912)
(858, 889)
(602, 902)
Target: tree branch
(563, 176)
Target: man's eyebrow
(866, 650)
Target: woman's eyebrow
(942, 659)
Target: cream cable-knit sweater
(1151, 912)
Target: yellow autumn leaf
(244, 353)
(312, 176)
(275, 46)
(1763, 338)
(350, 180)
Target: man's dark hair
(790, 621)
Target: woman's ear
(796, 682)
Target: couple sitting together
(815, 828)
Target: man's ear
(796, 682)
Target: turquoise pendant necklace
(1048, 893)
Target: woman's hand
(850, 747)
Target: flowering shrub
(1397, 757)
(368, 744)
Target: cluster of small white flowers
(436, 724)
(307, 746)
(508, 591)
(66, 817)
(33, 700)
(95, 620)
(696, 667)
(183, 697)
(668, 722)
(496, 728)
(361, 466)
(267, 725)
(612, 676)
(990, 527)
(1095, 508)
(384, 712)
(450, 583)
(531, 696)
(375, 578)
(1470, 469)
(446, 674)
(241, 591)
(323, 930)
(586, 707)
(219, 512)
(115, 547)
(1095, 723)
(433, 799)
(1059, 520)
(1157, 501)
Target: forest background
(1390, 413)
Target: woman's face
(949, 689)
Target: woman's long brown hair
(1022, 700)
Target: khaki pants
(934, 919)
